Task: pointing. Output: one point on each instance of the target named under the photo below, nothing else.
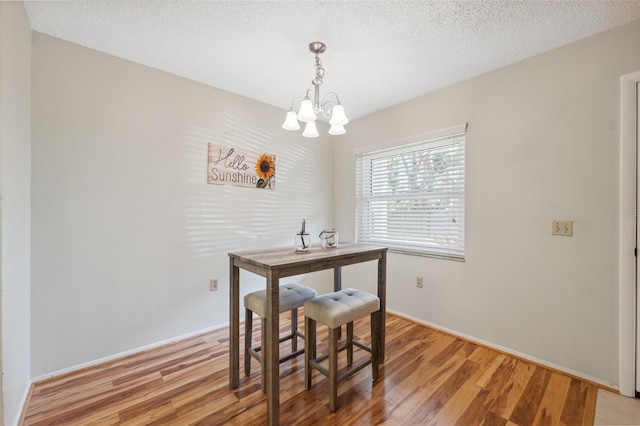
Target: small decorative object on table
(329, 239)
(302, 241)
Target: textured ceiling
(379, 53)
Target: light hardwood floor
(614, 409)
(428, 378)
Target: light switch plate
(562, 227)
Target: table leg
(234, 325)
(382, 294)
(272, 349)
(337, 286)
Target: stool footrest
(344, 346)
(363, 346)
(316, 364)
(254, 353)
(341, 348)
(350, 371)
(292, 355)
(354, 369)
(298, 333)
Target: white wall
(126, 231)
(542, 144)
(126, 234)
(15, 207)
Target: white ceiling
(379, 53)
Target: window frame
(455, 249)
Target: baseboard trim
(507, 351)
(502, 349)
(25, 403)
(119, 356)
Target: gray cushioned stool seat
(334, 310)
(292, 297)
(341, 307)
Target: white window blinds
(410, 197)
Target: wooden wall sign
(230, 166)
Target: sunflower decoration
(265, 169)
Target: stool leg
(294, 328)
(350, 344)
(375, 355)
(248, 329)
(309, 349)
(263, 355)
(333, 368)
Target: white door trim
(628, 175)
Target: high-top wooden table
(274, 264)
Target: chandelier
(311, 106)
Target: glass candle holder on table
(329, 239)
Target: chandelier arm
(309, 94)
(293, 102)
(326, 112)
(327, 102)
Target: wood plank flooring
(429, 378)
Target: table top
(316, 259)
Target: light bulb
(337, 129)
(306, 113)
(291, 122)
(310, 130)
(337, 116)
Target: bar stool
(334, 310)
(292, 297)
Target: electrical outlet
(213, 284)
(562, 227)
(419, 282)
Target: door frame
(628, 232)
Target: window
(410, 195)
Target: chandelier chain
(320, 72)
